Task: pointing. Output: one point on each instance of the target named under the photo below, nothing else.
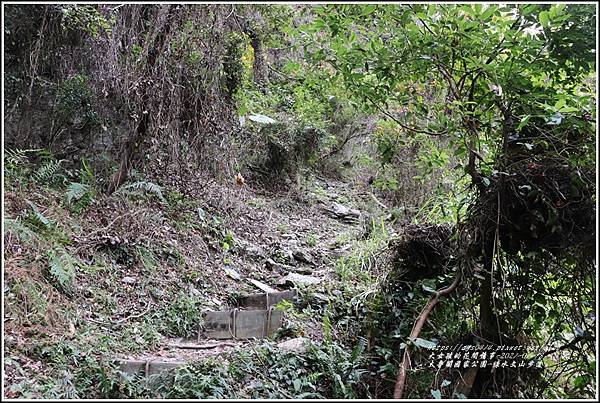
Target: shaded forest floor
(146, 268)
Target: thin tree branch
(416, 331)
(386, 113)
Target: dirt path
(275, 235)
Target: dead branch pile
(424, 251)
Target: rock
(299, 279)
(344, 213)
(194, 291)
(303, 270)
(303, 256)
(297, 345)
(263, 286)
(254, 252)
(339, 252)
(273, 265)
(321, 296)
(232, 273)
(129, 280)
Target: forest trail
(284, 242)
(172, 171)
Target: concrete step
(241, 324)
(147, 367)
(264, 300)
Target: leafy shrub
(38, 165)
(288, 148)
(182, 317)
(85, 18)
(329, 370)
(204, 380)
(75, 103)
(233, 66)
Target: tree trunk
(488, 323)
(133, 143)
(129, 149)
(258, 67)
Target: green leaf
(544, 18)
(560, 103)
(489, 12)
(569, 109)
(581, 382)
(523, 122)
(427, 288)
(369, 8)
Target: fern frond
(79, 196)
(61, 269)
(47, 171)
(24, 233)
(16, 162)
(13, 158)
(76, 191)
(143, 186)
(38, 219)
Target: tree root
(416, 330)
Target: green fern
(47, 171)
(16, 163)
(15, 158)
(61, 270)
(64, 388)
(75, 191)
(37, 219)
(143, 186)
(79, 196)
(16, 227)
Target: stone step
(265, 301)
(240, 324)
(148, 367)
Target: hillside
(334, 201)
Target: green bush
(75, 103)
(182, 317)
